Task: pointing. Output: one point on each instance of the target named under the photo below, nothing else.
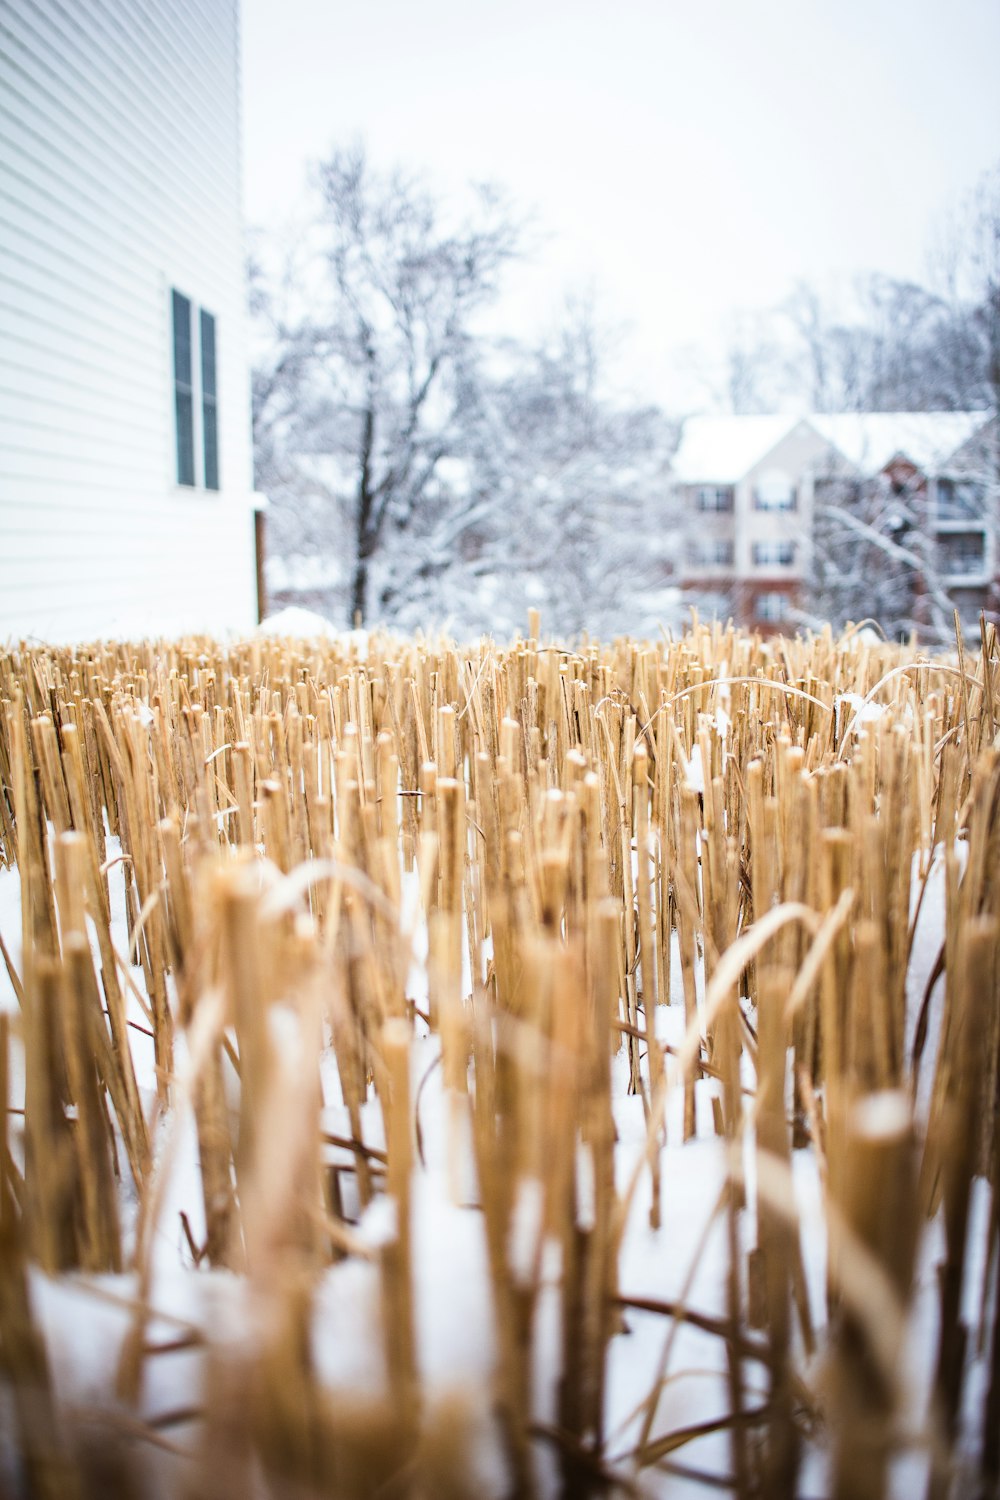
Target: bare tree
(927, 350)
(965, 268)
(875, 557)
(583, 532)
(807, 316)
(984, 273)
(372, 364)
(423, 473)
(759, 367)
(899, 346)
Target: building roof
(871, 440)
(722, 450)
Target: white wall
(119, 179)
(794, 458)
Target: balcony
(963, 554)
(960, 500)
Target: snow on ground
(86, 1319)
(306, 625)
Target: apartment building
(754, 491)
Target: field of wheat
(438, 1071)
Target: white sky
(685, 158)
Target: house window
(960, 500)
(715, 497)
(715, 553)
(774, 492)
(773, 554)
(196, 402)
(209, 401)
(773, 606)
(183, 389)
(963, 553)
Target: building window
(773, 554)
(183, 389)
(773, 606)
(775, 492)
(716, 497)
(960, 500)
(715, 553)
(209, 401)
(963, 553)
(196, 401)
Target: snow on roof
(720, 450)
(870, 440)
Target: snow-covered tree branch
(368, 354)
(420, 471)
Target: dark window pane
(210, 428)
(183, 393)
(770, 553)
(184, 408)
(209, 402)
(182, 339)
(207, 354)
(963, 552)
(960, 499)
(716, 497)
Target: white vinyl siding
(119, 180)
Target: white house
(750, 487)
(745, 487)
(126, 484)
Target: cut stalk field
(439, 1071)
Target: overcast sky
(684, 159)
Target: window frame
(960, 498)
(784, 553)
(195, 389)
(183, 367)
(768, 616)
(789, 501)
(208, 363)
(712, 506)
(957, 564)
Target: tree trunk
(359, 591)
(364, 536)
